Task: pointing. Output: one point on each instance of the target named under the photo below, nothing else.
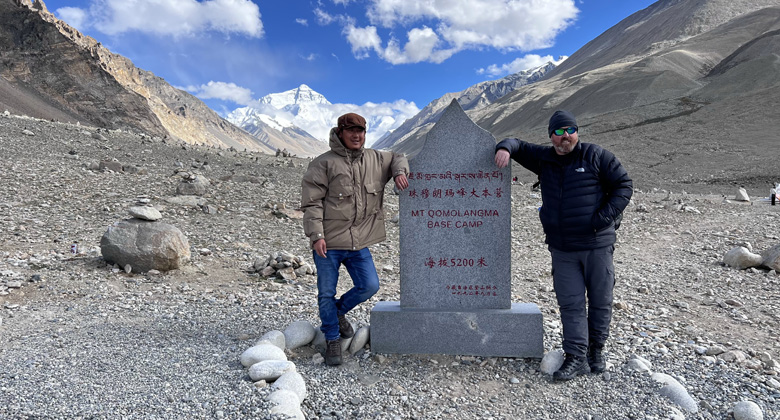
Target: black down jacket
(584, 192)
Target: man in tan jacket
(341, 196)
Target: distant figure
(584, 192)
(341, 196)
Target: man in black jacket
(584, 192)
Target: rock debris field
(692, 338)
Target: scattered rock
(261, 352)
(298, 333)
(740, 258)
(747, 410)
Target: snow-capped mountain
(304, 110)
(297, 109)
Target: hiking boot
(345, 328)
(596, 359)
(333, 352)
(572, 367)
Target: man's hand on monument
(320, 248)
(502, 158)
(401, 182)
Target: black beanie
(561, 118)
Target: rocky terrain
(84, 339)
(50, 70)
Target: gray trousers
(583, 282)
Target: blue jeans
(360, 266)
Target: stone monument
(456, 254)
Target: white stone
(639, 364)
(735, 356)
(286, 403)
(673, 390)
(145, 213)
(747, 410)
(740, 258)
(742, 195)
(359, 340)
(292, 381)
(551, 362)
(274, 337)
(298, 333)
(270, 370)
(261, 352)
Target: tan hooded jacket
(342, 195)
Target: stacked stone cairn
(282, 265)
(267, 363)
(143, 243)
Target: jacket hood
(338, 147)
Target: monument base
(514, 332)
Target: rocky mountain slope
(167, 345)
(678, 91)
(50, 70)
(471, 99)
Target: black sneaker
(572, 367)
(345, 328)
(596, 359)
(333, 352)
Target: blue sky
(394, 54)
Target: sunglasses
(570, 130)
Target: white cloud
(318, 119)
(310, 57)
(176, 17)
(73, 16)
(302, 22)
(323, 17)
(444, 27)
(381, 117)
(363, 40)
(221, 90)
(529, 61)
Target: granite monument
(455, 233)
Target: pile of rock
(192, 184)
(267, 362)
(742, 258)
(282, 265)
(143, 243)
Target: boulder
(198, 185)
(740, 258)
(359, 340)
(771, 258)
(298, 333)
(747, 410)
(285, 403)
(292, 381)
(274, 337)
(673, 390)
(261, 352)
(145, 245)
(270, 370)
(551, 362)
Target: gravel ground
(82, 339)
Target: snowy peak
(301, 96)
